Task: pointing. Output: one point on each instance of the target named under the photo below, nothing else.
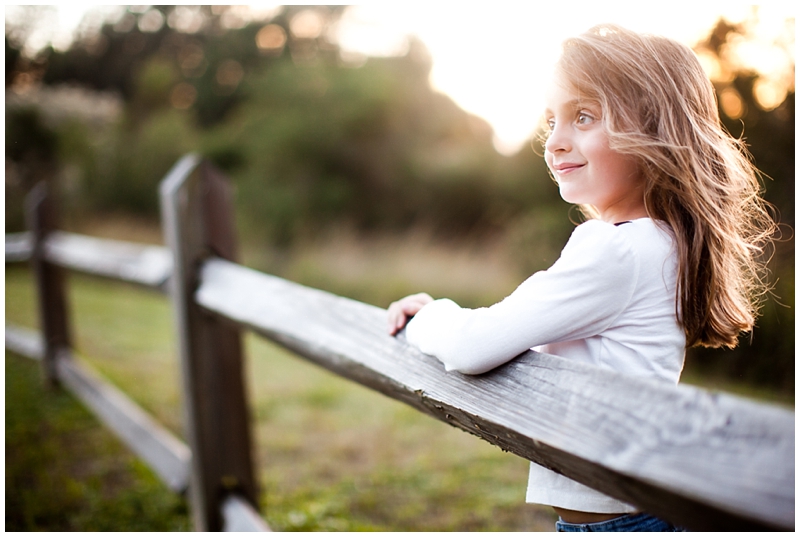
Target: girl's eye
(548, 127)
(584, 118)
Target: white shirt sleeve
(578, 297)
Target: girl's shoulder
(648, 234)
(643, 238)
(643, 244)
(596, 246)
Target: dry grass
(123, 227)
(380, 269)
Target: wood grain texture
(143, 264)
(198, 221)
(702, 460)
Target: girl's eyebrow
(578, 104)
(574, 104)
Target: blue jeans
(632, 522)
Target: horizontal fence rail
(19, 246)
(143, 264)
(25, 342)
(707, 461)
(238, 515)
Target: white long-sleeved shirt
(609, 300)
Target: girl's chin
(569, 196)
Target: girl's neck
(631, 208)
(623, 217)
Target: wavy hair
(660, 107)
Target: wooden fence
(707, 461)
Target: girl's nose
(558, 140)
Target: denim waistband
(632, 522)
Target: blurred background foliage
(315, 139)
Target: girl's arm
(578, 297)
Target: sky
(490, 57)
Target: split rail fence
(706, 461)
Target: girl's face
(586, 169)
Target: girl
(669, 257)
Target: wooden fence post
(197, 214)
(40, 212)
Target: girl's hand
(401, 310)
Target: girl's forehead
(561, 93)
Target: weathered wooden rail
(707, 461)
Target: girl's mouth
(567, 167)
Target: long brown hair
(660, 107)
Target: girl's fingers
(396, 318)
(400, 310)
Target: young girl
(669, 258)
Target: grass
(65, 473)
